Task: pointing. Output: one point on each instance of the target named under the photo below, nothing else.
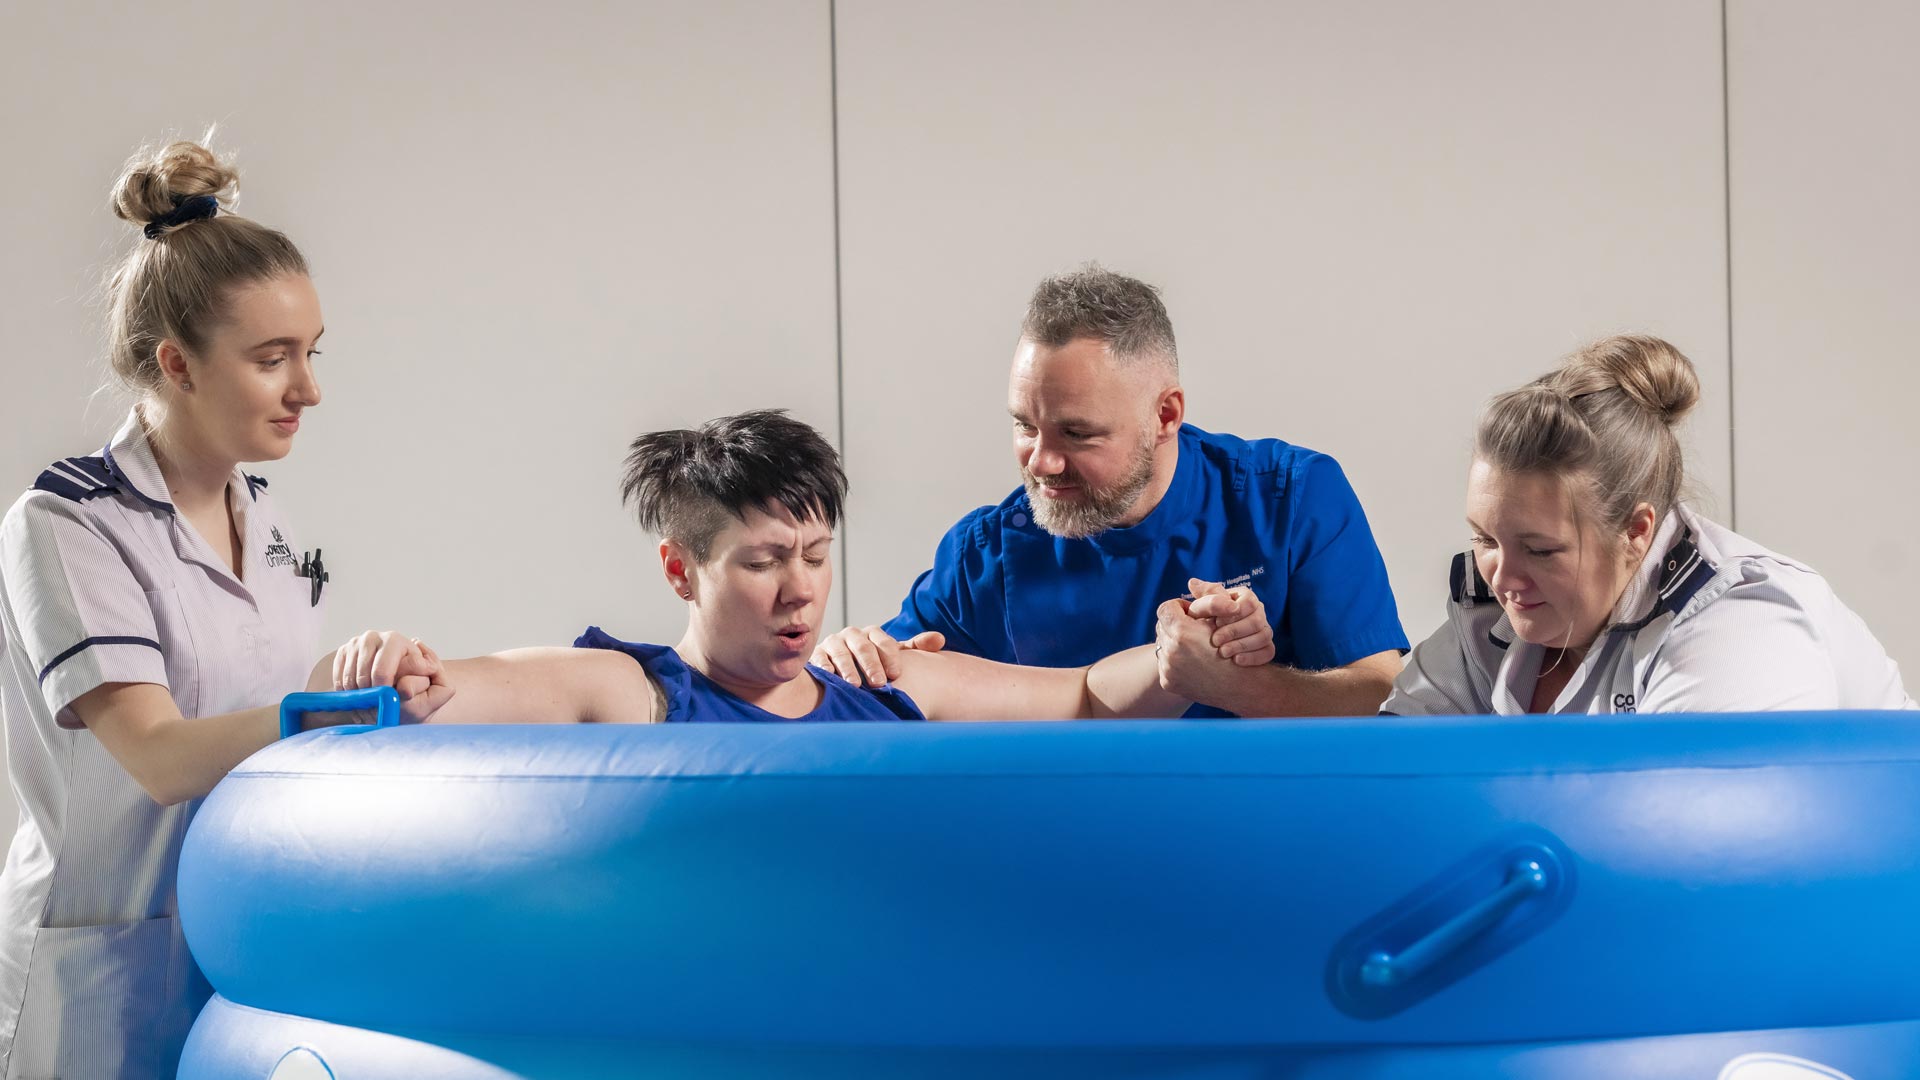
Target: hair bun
(155, 182)
(1649, 371)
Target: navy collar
(130, 461)
(1683, 572)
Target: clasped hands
(1198, 643)
(388, 658)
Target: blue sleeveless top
(692, 698)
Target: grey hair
(1603, 422)
(1093, 302)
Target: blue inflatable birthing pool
(1709, 898)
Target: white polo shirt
(1712, 622)
(101, 581)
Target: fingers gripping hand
(1181, 648)
(422, 684)
(388, 658)
(371, 659)
(1241, 631)
(865, 655)
(353, 661)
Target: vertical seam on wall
(839, 332)
(1726, 194)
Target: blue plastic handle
(1526, 879)
(385, 699)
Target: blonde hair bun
(176, 283)
(155, 182)
(1649, 371)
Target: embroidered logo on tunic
(279, 553)
(1235, 582)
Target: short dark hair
(685, 484)
(1093, 302)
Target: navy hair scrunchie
(194, 209)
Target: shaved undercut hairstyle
(1094, 302)
(684, 485)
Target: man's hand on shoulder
(869, 655)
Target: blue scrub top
(694, 698)
(1277, 517)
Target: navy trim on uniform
(119, 474)
(1465, 575)
(89, 643)
(1683, 572)
(254, 484)
(77, 479)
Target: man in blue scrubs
(1125, 510)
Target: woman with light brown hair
(1592, 587)
(154, 609)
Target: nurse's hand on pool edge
(870, 653)
(388, 658)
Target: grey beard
(1102, 509)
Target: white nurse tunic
(102, 582)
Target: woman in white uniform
(153, 611)
(1592, 588)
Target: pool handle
(385, 699)
(1526, 879)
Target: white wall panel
(1825, 151)
(535, 235)
(1367, 219)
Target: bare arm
(549, 686)
(1357, 689)
(1191, 665)
(175, 759)
(954, 686)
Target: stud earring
(686, 594)
(186, 385)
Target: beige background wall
(1825, 155)
(537, 238)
